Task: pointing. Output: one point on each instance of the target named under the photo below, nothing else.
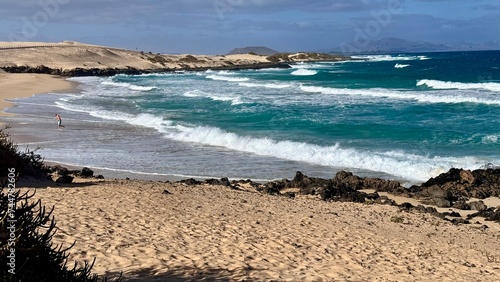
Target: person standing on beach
(59, 121)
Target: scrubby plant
(280, 57)
(158, 59)
(25, 163)
(397, 219)
(188, 59)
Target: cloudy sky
(218, 26)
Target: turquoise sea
(401, 116)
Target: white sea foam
(432, 97)
(311, 65)
(408, 166)
(437, 84)
(267, 85)
(235, 100)
(399, 163)
(490, 139)
(227, 78)
(304, 72)
(128, 85)
(401, 66)
(388, 58)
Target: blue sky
(218, 26)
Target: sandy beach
(163, 231)
(214, 233)
(25, 85)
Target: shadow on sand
(180, 274)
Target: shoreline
(187, 231)
(13, 86)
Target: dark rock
(451, 176)
(272, 188)
(478, 206)
(166, 192)
(60, 170)
(452, 214)
(495, 216)
(65, 179)
(481, 183)
(406, 207)
(459, 221)
(225, 182)
(442, 203)
(466, 176)
(190, 182)
(87, 172)
(372, 196)
(381, 185)
(212, 181)
(309, 185)
(347, 179)
(436, 192)
(100, 176)
(461, 205)
(384, 200)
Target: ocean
(407, 117)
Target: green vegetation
(25, 163)
(280, 57)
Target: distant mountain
(398, 45)
(259, 50)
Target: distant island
(257, 50)
(69, 58)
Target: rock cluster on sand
(453, 188)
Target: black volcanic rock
(459, 183)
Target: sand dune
(70, 55)
(213, 233)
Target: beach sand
(25, 85)
(214, 233)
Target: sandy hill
(69, 55)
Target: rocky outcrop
(76, 72)
(459, 183)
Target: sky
(218, 26)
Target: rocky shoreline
(458, 189)
(77, 72)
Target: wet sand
(14, 86)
